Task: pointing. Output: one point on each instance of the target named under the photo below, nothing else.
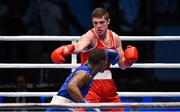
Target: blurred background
(72, 18)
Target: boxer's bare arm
(120, 52)
(79, 79)
(83, 42)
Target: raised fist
(57, 56)
(131, 55)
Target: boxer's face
(100, 25)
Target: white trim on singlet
(59, 99)
(105, 75)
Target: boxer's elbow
(122, 67)
(121, 64)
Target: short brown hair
(99, 12)
(96, 56)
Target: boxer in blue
(77, 84)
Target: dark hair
(96, 56)
(99, 12)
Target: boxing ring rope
(87, 105)
(74, 38)
(75, 64)
(69, 66)
(123, 94)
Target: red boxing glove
(57, 56)
(131, 55)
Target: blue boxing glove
(112, 55)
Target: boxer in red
(103, 88)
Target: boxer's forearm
(75, 92)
